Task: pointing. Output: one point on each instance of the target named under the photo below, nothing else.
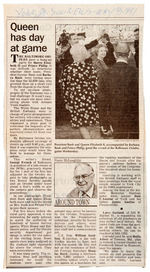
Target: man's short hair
(84, 163)
(106, 36)
(122, 49)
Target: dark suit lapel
(94, 191)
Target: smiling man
(84, 179)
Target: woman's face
(101, 53)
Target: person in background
(63, 46)
(98, 61)
(118, 97)
(136, 47)
(101, 67)
(84, 179)
(109, 58)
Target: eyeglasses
(84, 177)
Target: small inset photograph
(76, 180)
(97, 85)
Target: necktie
(84, 195)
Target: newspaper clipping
(74, 136)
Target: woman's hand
(107, 132)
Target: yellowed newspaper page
(74, 136)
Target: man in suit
(84, 179)
(136, 47)
(109, 59)
(118, 97)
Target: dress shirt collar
(122, 60)
(89, 193)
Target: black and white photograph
(77, 179)
(97, 85)
(75, 135)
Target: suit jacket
(75, 193)
(118, 98)
(136, 56)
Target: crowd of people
(99, 86)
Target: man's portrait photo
(84, 180)
(75, 180)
